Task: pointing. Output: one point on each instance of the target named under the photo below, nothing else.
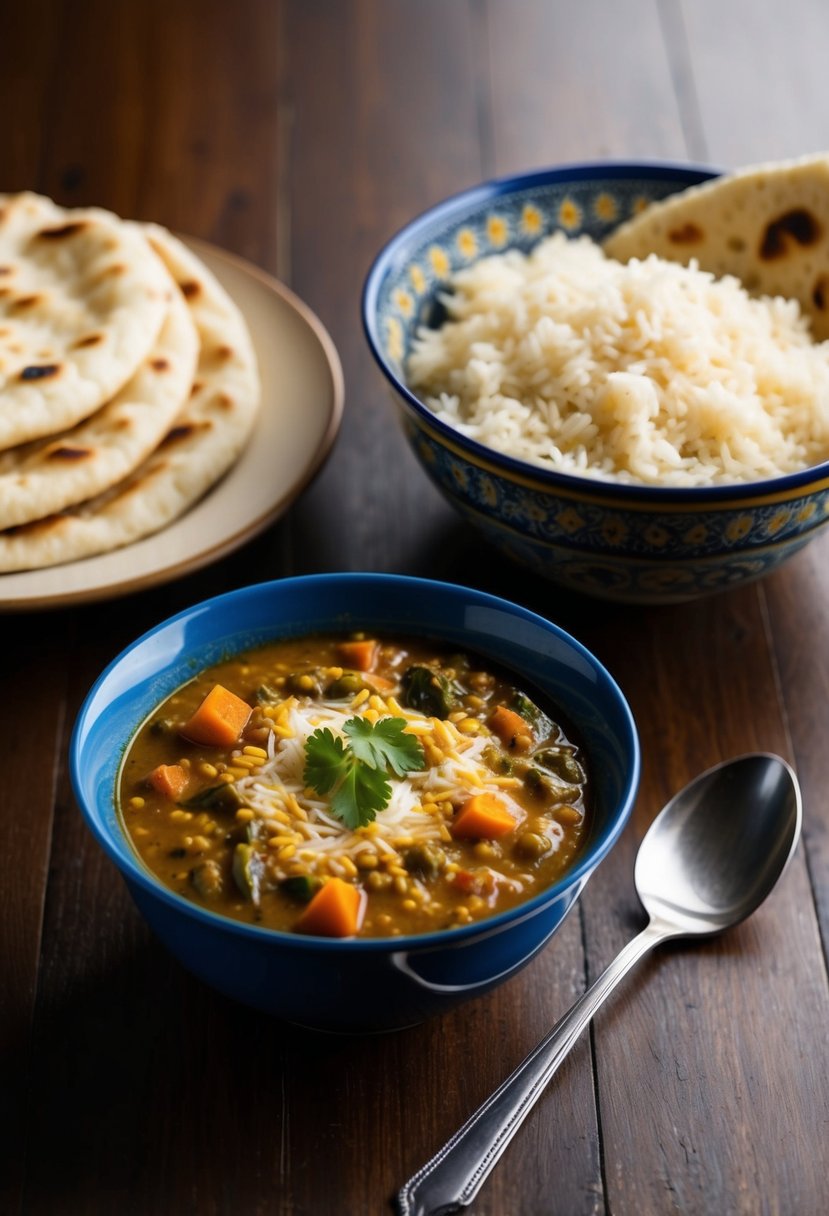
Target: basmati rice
(649, 372)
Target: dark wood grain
(301, 134)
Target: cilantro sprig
(357, 772)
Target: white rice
(276, 788)
(649, 372)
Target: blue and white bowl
(358, 983)
(623, 542)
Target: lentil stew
(354, 785)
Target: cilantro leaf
(357, 772)
(325, 759)
(363, 793)
(383, 744)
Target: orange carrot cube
(358, 655)
(335, 911)
(483, 817)
(219, 720)
(169, 780)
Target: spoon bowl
(718, 847)
(707, 862)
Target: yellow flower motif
(569, 215)
(489, 491)
(640, 203)
(535, 512)
(570, 520)
(656, 535)
(418, 279)
(425, 452)
(394, 338)
(461, 477)
(614, 531)
(531, 220)
(666, 580)
(739, 527)
(807, 511)
(440, 261)
(777, 521)
(497, 230)
(404, 302)
(467, 242)
(605, 207)
(696, 535)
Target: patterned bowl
(644, 544)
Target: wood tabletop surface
(300, 134)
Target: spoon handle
(452, 1178)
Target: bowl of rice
(641, 431)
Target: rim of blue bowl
(392, 255)
(130, 866)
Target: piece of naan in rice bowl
(768, 225)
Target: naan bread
(47, 475)
(82, 300)
(767, 225)
(204, 442)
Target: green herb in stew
(359, 785)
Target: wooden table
(300, 134)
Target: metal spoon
(707, 862)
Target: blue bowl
(642, 544)
(353, 984)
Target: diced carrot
(380, 683)
(358, 655)
(472, 882)
(219, 720)
(482, 817)
(514, 731)
(169, 780)
(335, 911)
(465, 881)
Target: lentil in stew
(451, 794)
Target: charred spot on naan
(159, 364)
(686, 234)
(190, 289)
(798, 227)
(41, 371)
(184, 430)
(820, 293)
(88, 340)
(37, 527)
(63, 231)
(67, 453)
(29, 301)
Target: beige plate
(302, 403)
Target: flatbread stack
(128, 381)
(767, 225)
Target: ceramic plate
(302, 401)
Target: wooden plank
(676, 1121)
(374, 82)
(759, 73)
(31, 671)
(373, 61)
(680, 1051)
(561, 92)
(179, 124)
